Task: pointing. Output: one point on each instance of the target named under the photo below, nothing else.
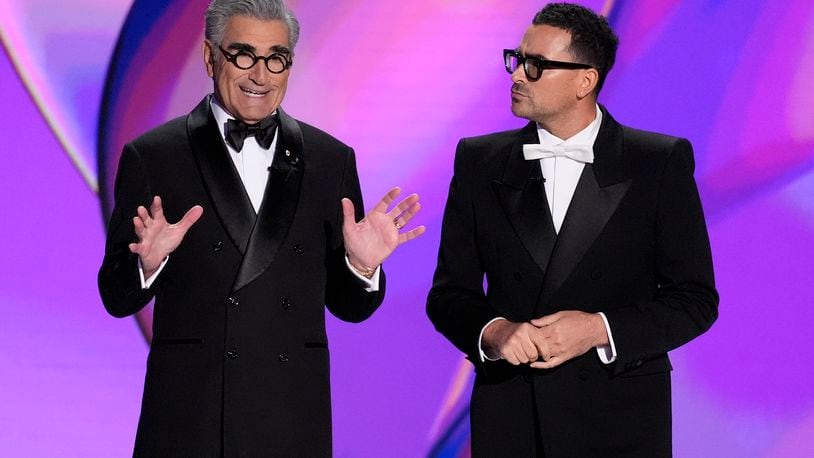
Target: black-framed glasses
(276, 62)
(534, 66)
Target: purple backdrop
(401, 82)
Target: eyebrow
(538, 56)
(241, 47)
(281, 49)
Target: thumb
(545, 320)
(349, 214)
(191, 217)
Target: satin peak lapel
(219, 175)
(280, 201)
(599, 191)
(522, 196)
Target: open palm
(157, 238)
(370, 241)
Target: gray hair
(220, 11)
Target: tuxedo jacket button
(282, 357)
(231, 354)
(217, 246)
(298, 249)
(233, 301)
(286, 303)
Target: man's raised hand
(157, 238)
(370, 241)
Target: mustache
(518, 88)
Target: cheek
(284, 79)
(282, 84)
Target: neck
(566, 125)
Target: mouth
(252, 92)
(516, 92)
(517, 95)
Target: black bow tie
(263, 132)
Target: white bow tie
(579, 153)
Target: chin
(254, 115)
(519, 111)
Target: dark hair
(592, 40)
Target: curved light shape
(57, 49)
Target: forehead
(259, 33)
(547, 41)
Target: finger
(403, 206)
(388, 199)
(411, 234)
(546, 320)
(553, 362)
(142, 213)
(530, 351)
(511, 360)
(349, 215)
(156, 209)
(542, 349)
(138, 225)
(145, 217)
(190, 217)
(405, 216)
(139, 248)
(520, 356)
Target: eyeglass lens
(512, 61)
(276, 63)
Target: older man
(266, 237)
(595, 251)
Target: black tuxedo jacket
(238, 365)
(633, 245)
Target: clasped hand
(545, 342)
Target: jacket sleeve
(456, 304)
(118, 279)
(686, 302)
(345, 295)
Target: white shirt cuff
(147, 283)
(607, 353)
(483, 357)
(371, 284)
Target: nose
(519, 75)
(259, 73)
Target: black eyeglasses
(244, 60)
(534, 66)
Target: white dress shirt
(561, 176)
(252, 164)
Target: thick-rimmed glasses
(244, 60)
(534, 66)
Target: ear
(587, 82)
(209, 58)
